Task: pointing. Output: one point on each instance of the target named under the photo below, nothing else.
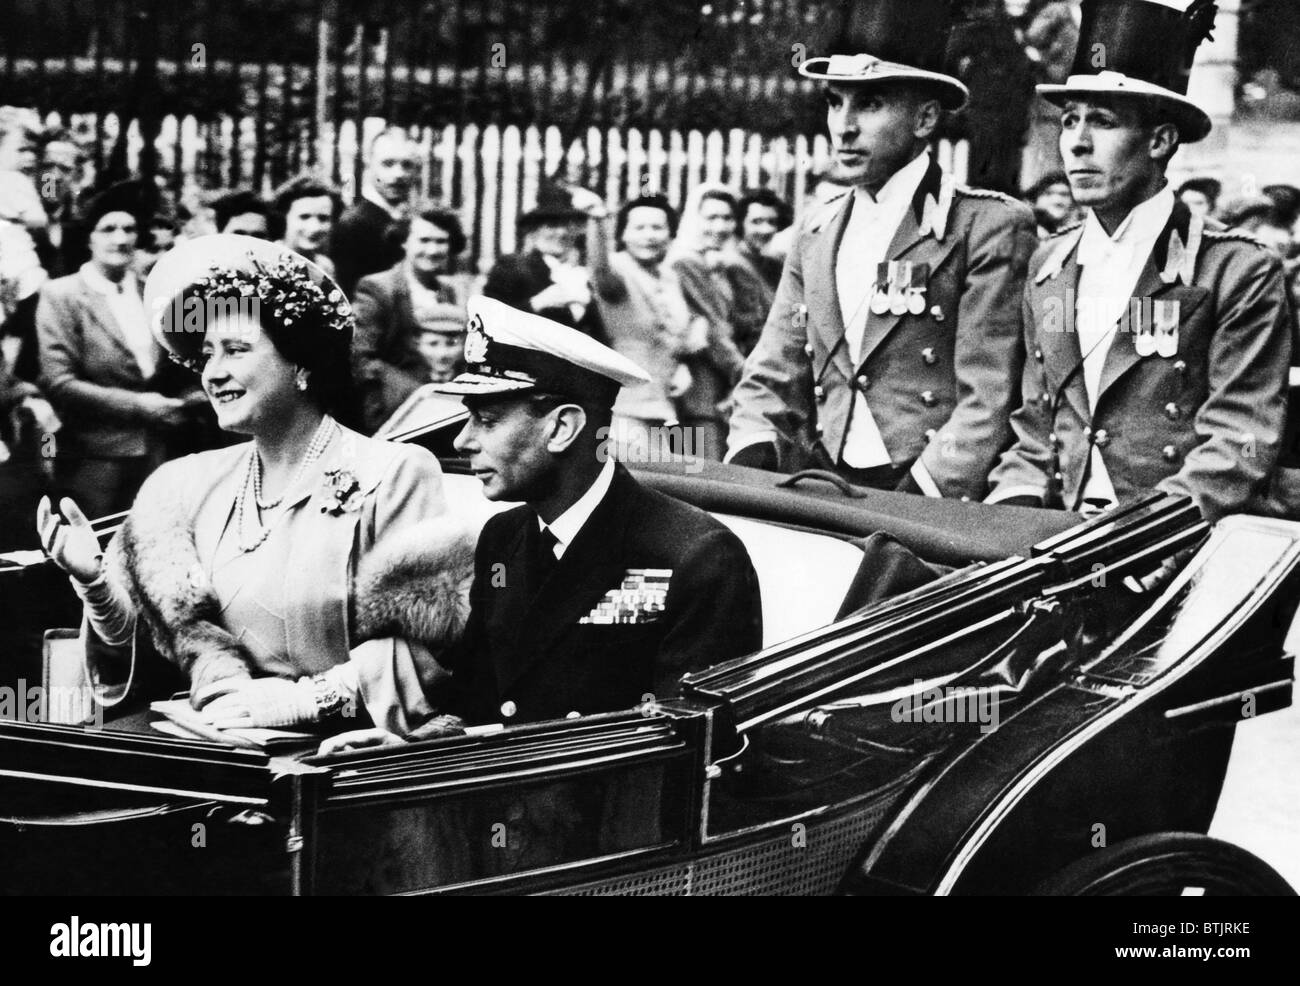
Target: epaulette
(986, 193)
(1065, 229)
(820, 214)
(1235, 234)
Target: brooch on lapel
(639, 598)
(342, 492)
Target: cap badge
(476, 341)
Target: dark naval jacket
(649, 589)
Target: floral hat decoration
(224, 273)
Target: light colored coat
(391, 567)
(941, 385)
(1206, 420)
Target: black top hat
(1141, 48)
(888, 41)
(554, 205)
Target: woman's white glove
(239, 703)
(359, 739)
(72, 544)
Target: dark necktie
(544, 560)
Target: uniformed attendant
(1159, 344)
(893, 351)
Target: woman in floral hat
(305, 576)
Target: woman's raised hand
(69, 540)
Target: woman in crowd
(702, 258)
(290, 579)
(124, 406)
(308, 209)
(646, 318)
(393, 306)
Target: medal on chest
(1157, 329)
(900, 288)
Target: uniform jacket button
(1101, 438)
(1169, 453)
(1180, 366)
(808, 350)
(936, 313)
(508, 709)
(1172, 411)
(928, 356)
(930, 434)
(1044, 398)
(1038, 354)
(819, 393)
(863, 381)
(820, 429)
(928, 398)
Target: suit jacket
(941, 385)
(517, 277)
(1206, 421)
(386, 363)
(526, 656)
(715, 370)
(360, 245)
(92, 378)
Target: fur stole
(414, 586)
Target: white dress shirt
(872, 223)
(1111, 266)
(566, 526)
(126, 306)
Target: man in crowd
(1052, 202)
(545, 277)
(361, 245)
(1159, 345)
(893, 350)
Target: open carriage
(952, 698)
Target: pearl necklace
(253, 483)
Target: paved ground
(1259, 809)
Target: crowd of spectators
(88, 404)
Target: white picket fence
(491, 174)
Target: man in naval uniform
(597, 592)
(1158, 345)
(893, 351)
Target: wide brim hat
(878, 41)
(229, 264)
(1140, 49)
